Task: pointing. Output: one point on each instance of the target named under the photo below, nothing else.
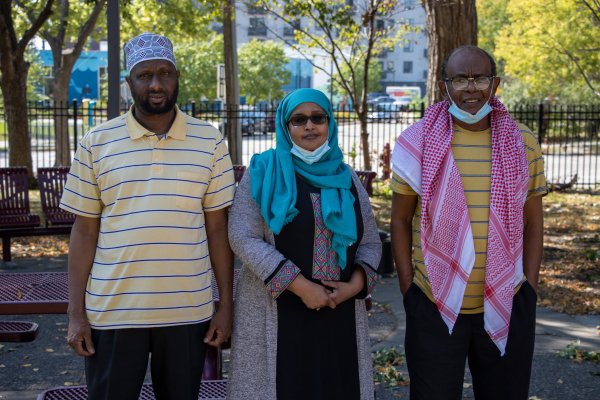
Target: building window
(407, 67)
(424, 53)
(380, 25)
(408, 47)
(290, 30)
(257, 27)
(425, 74)
(390, 65)
(253, 9)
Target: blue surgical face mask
(308, 156)
(465, 116)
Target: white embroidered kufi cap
(148, 46)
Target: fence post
(540, 122)
(74, 125)
(193, 109)
(422, 110)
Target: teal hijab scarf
(273, 181)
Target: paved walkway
(553, 377)
(26, 369)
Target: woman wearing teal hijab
(304, 230)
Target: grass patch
(385, 367)
(575, 353)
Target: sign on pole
(221, 81)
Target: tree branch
(88, 27)
(594, 11)
(36, 25)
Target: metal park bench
(238, 172)
(209, 390)
(16, 219)
(366, 178)
(14, 200)
(52, 184)
(18, 331)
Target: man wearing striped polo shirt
(467, 237)
(151, 190)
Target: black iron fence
(569, 135)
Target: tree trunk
(233, 131)
(14, 91)
(450, 24)
(364, 140)
(60, 89)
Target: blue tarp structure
(85, 76)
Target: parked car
(253, 121)
(386, 112)
(402, 102)
(372, 104)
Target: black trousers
(117, 370)
(436, 360)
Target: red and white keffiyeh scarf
(423, 158)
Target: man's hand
(79, 336)
(219, 329)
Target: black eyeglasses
(462, 82)
(301, 120)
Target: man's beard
(148, 108)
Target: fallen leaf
(26, 365)
(50, 350)
(36, 369)
(69, 384)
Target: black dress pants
(117, 370)
(436, 359)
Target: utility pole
(233, 130)
(114, 64)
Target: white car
(402, 102)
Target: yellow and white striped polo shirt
(152, 266)
(472, 152)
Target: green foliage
(551, 47)
(385, 367)
(359, 73)
(36, 75)
(383, 189)
(262, 70)
(78, 14)
(197, 61)
(574, 352)
(180, 20)
(491, 17)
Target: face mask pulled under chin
(310, 157)
(465, 116)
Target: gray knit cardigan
(254, 340)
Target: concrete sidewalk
(26, 369)
(553, 377)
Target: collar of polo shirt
(177, 131)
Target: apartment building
(404, 65)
